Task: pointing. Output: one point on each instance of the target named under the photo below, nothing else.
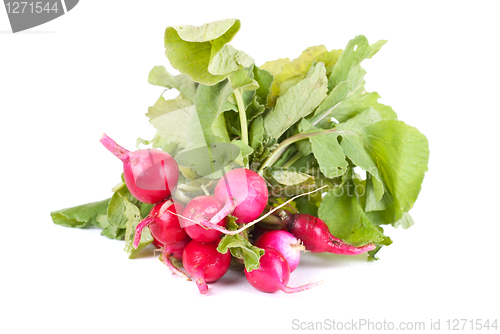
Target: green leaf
(208, 160)
(327, 151)
(406, 222)
(211, 102)
(298, 102)
(80, 216)
(172, 119)
(164, 107)
(119, 213)
(356, 104)
(254, 109)
(245, 151)
(145, 209)
(284, 69)
(240, 248)
(393, 152)
(346, 84)
(229, 60)
(183, 83)
(202, 53)
(265, 80)
(354, 53)
(108, 230)
(329, 58)
(290, 82)
(386, 242)
(306, 206)
(290, 177)
(133, 218)
(354, 146)
(346, 219)
(241, 80)
(376, 47)
(256, 135)
(376, 199)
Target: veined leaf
(406, 222)
(133, 218)
(265, 80)
(298, 102)
(207, 160)
(240, 248)
(290, 177)
(347, 95)
(162, 106)
(395, 153)
(256, 135)
(210, 59)
(171, 118)
(109, 230)
(284, 69)
(183, 83)
(354, 53)
(346, 219)
(211, 102)
(80, 216)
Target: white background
(66, 82)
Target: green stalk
(293, 160)
(243, 116)
(118, 187)
(287, 142)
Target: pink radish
(285, 243)
(202, 208)
(163, 224)
(316, 237)
(244, 194)
(150, 174)
(273, 274)
(176, 249)
(204, 263)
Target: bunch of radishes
(191, 234)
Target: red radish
(202, 208)
(163, 224)
(204, 263)
(150, 174)
(244, 194)
(176, 249)
(156, 243)
(316, 237)
(273, 274)
(285, 243)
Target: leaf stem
(186, 187)
(287, 142)
(118, 187)
(293, 160)
(243, 116)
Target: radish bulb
(273, 274)
(285, 243)
(244, 194)
(204, 263)
(150, 174)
